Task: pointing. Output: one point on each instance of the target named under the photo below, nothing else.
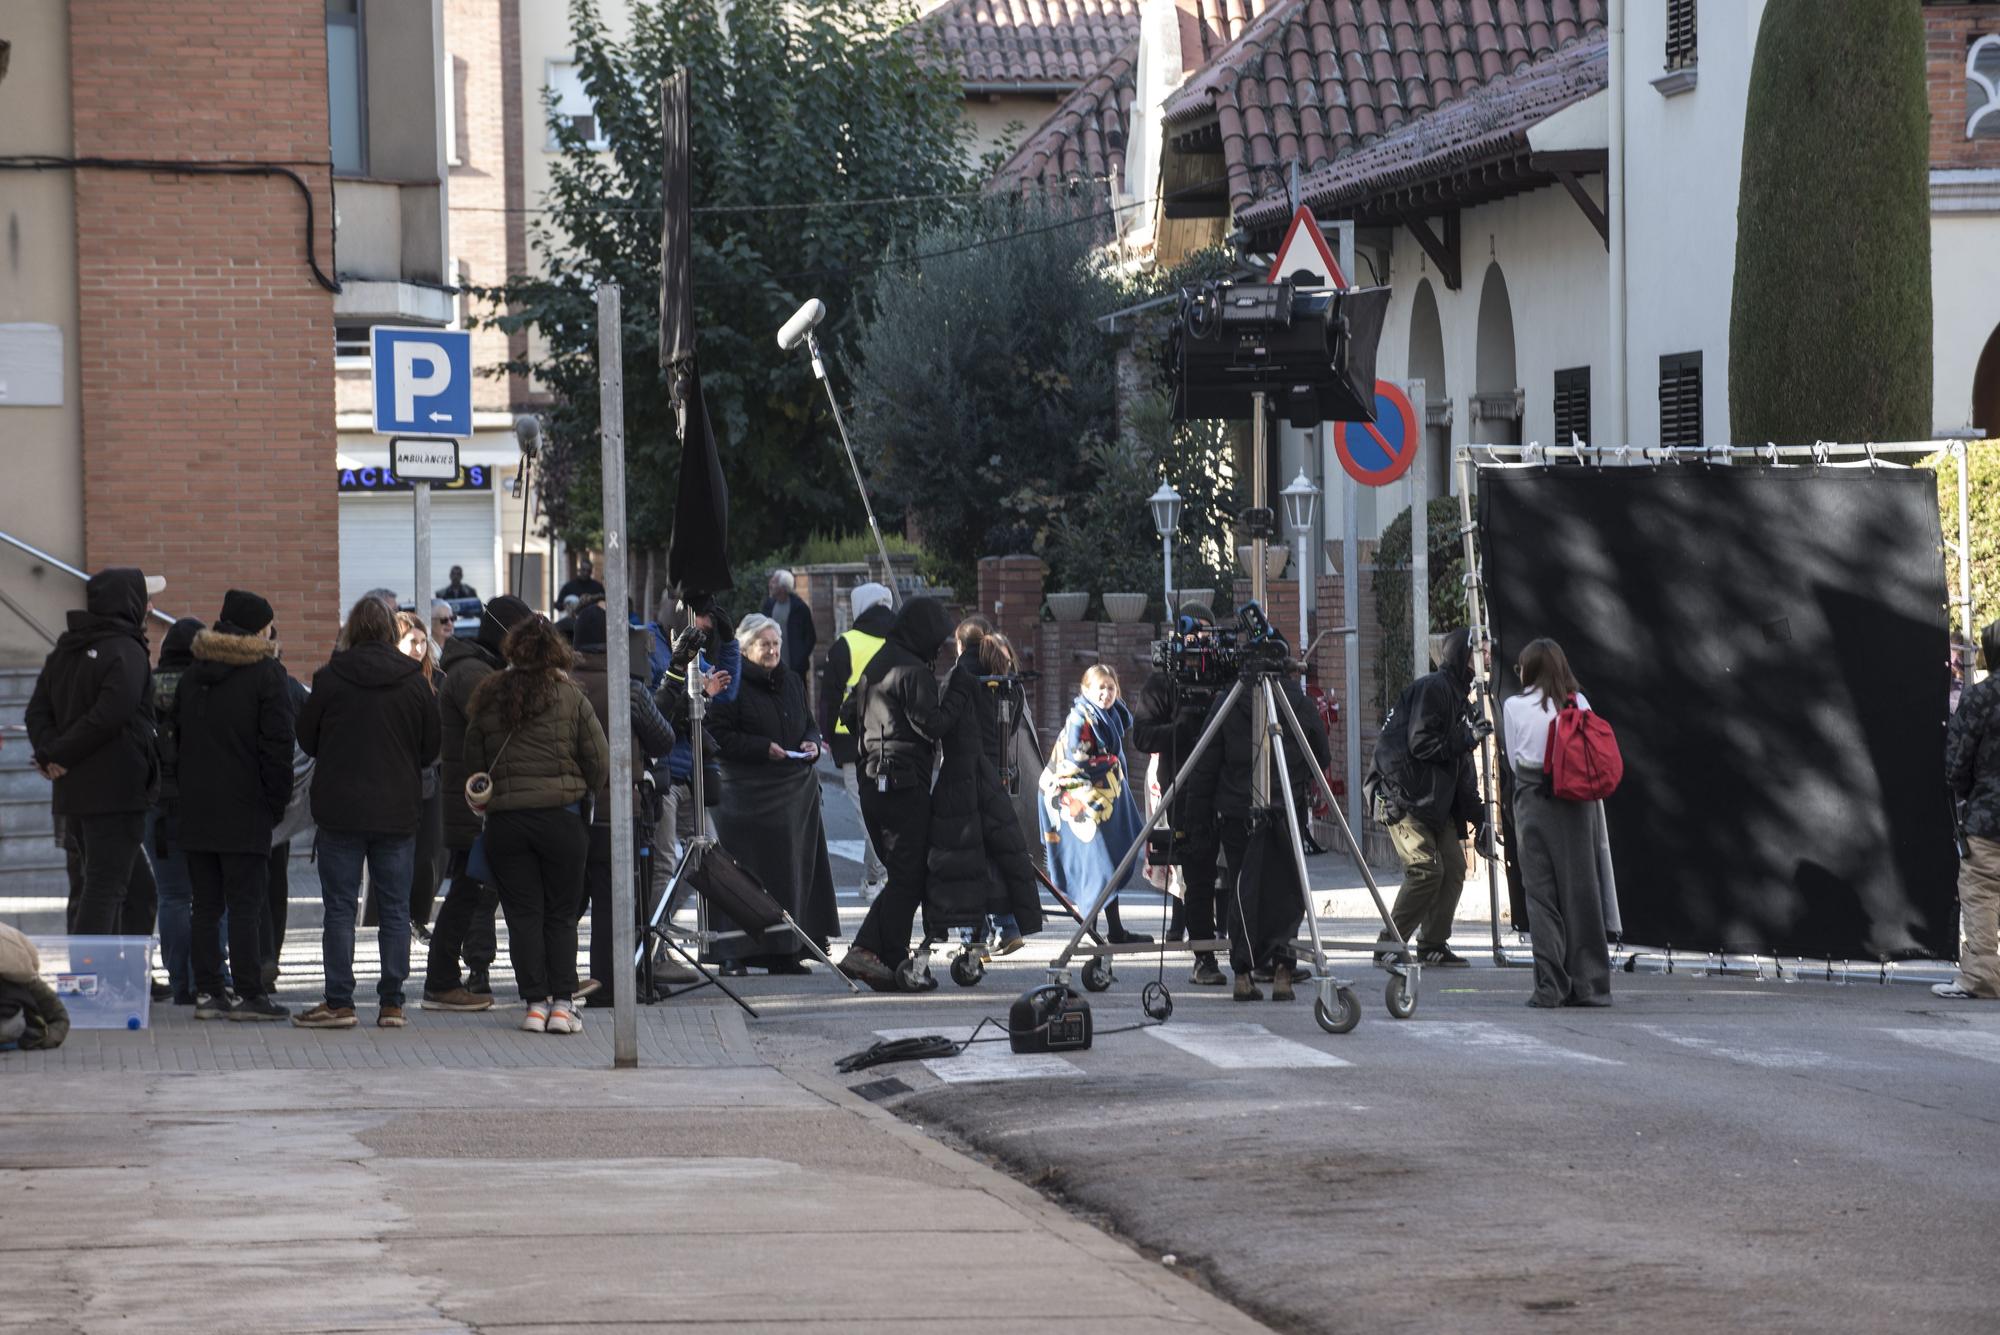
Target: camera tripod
(1335, 1007)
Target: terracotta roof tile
(1083, 139)
(1371, 65)
(1003, 43)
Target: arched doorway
(1496, 396)
(1986, 388)
(1427, 364)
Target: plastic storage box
(106, 982)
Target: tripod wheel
(912, 977)
(967, 968)
(1345, 1014)
(1402, 1004)
(1097, 974)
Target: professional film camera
(1202, 660)
(1309, 351)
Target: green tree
(807, 115)
(1982, 464)
(1392, 591)
(1830, 330)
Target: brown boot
(1246, 989)
(1281, 981)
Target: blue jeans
(170, 873)
(390, 859)
(998, 927)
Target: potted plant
(1276, 557)
(1125, 608)
(1068, 606)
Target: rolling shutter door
(378, 544)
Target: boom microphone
(801, 324)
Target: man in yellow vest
(873, 617)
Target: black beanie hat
(589, 635)
(499, 616)
(244, 613)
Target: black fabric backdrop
(1771, 647)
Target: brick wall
(206, 347)
(1950, 31)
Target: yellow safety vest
(861, 647)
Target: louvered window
(1573, 405)
(1680, 400)
(1680, 34)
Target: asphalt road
(1712, 1149)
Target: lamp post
(1166, 503)
(1301, 498)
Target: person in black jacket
(163, 839)
(372, 725)
(90, 723)
(794, 616)
(1972, 771)
(1426, 795)
(874, 612)
(1259, 876)
(233, 731)
(899, 717)
(1167, 721)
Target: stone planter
(1276, 556)
(1206, 597)
(1125, 608)
(1068, 606)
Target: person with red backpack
(1564, 760)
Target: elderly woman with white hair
(795, 622)
(769, 818)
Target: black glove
(1477, 731)
(720, 626)
(1485, 843)
(688, 642)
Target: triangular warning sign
(1305, 249)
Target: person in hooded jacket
(372, 726)
(533, 733)
(170, 871)
(899, 717)
(979, 870)
(90, 724)
(1426, 795)
(652, 739)
(769, 819)
(233, 733)
(1972, 771)
(465, 922)
(874, 613)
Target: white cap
(868, 595)
(155, 584)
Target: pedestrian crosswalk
(1981, 1045)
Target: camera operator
(1167, 721)
(1263, 898)
(1422, 790)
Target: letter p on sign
(408, 354)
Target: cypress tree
(1830, 326)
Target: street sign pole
(1350, 602)
(419, 599)
(1420, 545)
(624, 982)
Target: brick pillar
(205, 346)
(1010, 596)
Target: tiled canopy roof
(1084, 139)
(1488, 125)
(1314, 80)
(1037, 43)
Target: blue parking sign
(423, 381)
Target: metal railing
(7, 600)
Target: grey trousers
(1560, 876)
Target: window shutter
(1680, 34)
(1680, 400)
(1573, 405)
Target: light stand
(1301, 498)
(1166, 504)
(881, 547)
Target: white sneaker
(1953, 990)
(564, 1019)
(536, 1021)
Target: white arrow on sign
(440, 417)
(409, 386)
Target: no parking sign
(1377, 453)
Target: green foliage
(983, 377)
(1392, 591)
(1103, 540)
(1983, 496)
(1830, 332)
(792, 101)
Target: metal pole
(1965, 562)
(881, 547)
(1350, 594)
(1420, 543)
(1167, 573)
(618, 655)
(420, 594)
(1302, 541)
(1260, 499)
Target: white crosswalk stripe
(1242, 1047)
(1979, 1045)
(985, 1060)
(1776, 1059)
(1514, 1046)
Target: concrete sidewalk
(460, 1175)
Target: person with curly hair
(532, 731)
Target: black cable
(937, 1045)
(192, 167)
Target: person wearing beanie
(90, 725)
(232, 731)
(464, 925)
(874, 615)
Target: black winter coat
(1167, 724)
(797, 637)
(1972, 749)
(878, 621)
(771, 707)
(233, 725)
(979, 860)
(372, 724)
(467, 662)
(1424, 755)
(1219, 783)
(92, 707)
(896, 707)
(652, 735)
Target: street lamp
(1166, 503)
(1301, 498)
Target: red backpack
(1583, 764)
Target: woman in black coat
(769, 819)
(979, 864)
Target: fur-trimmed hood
(214, 646)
